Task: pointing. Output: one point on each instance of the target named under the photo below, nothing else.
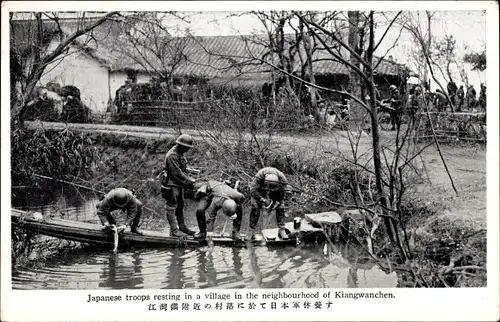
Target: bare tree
(411, 23)
(148, 43)
(445, 53)
(31, 59)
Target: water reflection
(204, 267)
(254, 266)
(237, 263)
(119, 274)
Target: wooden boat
(94, 234)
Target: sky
(467, 27)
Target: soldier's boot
(254, 220)
(179, 214)
(202, 224)
(135, 225)
(280, 220)
(236, 229)
(172, 222)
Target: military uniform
(174, 182)
(258, 191)
(123, 199)
(211, 196)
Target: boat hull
(95, 234)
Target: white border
(410, 304)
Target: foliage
(445, 53)
(55, 154)
(21, 245)
(476, 59)
(451, 254)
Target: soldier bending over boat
(268, 192)
(123, 199)
(213, 196)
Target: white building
(98, 62)
(97, 81)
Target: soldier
(213, 196)
(174, 182)
(482, 97)
(470, 97)
(268, 192)
(460, 98)
(440, 101)
(452, 90)
(395, 101)
(123, 199)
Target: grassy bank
(447, 250)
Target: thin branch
(387, 30)
(332, 35)
(439, 150)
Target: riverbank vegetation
(372, 177)
(444, 251)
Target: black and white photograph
(261, 149)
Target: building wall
(81, 70)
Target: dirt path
(467, 164)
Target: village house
(99, 63)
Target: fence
(160, 113)
(210, 113)
(449, 126)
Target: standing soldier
(123, 199)
(452, 90)
(482, 97)
(213, 196)
(395, 101)
(460, 98)
(471, 97)
(268, 192)
(174, 182)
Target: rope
(116, 238)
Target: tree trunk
(427, 48)
(306, 38)
(357, 112)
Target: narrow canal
(311, 266)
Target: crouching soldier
(214, 196)
(123, 199)
(268, 192)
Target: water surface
(314, 266)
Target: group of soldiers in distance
(463, 100)
(267, 193)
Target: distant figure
(415, 99)
(452, 89)
(73, 109)
(214, 196)
(440, 100)
(427, 87)
(120, 199)
(470, 97)
(123, 94)
(395, 101)
(460, 98)
(482, 97)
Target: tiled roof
(229, 56)
(209, 57)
